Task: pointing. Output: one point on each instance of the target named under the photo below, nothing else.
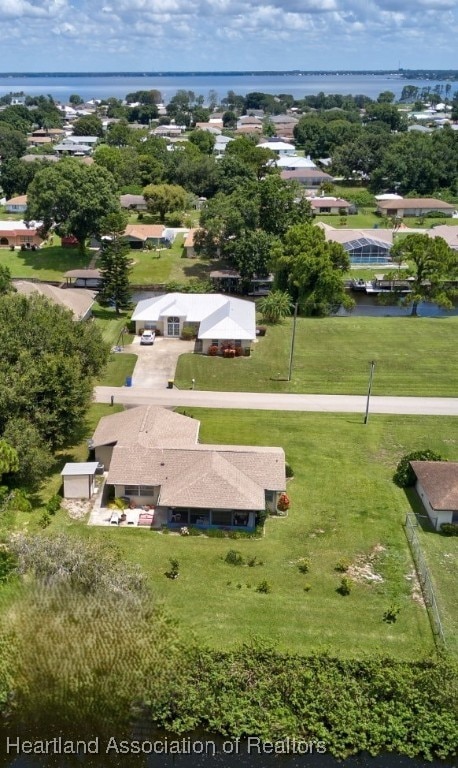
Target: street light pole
(292, 343)
(371, 375)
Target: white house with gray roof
(215, 319)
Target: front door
(173, 326)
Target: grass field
(367, 219)
(414, 356)
(49, 263)
(343, 505)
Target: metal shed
(79, 479)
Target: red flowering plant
(283, 502)
(213, 350)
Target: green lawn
(414, 356)
(49, 263)
(343, 505)
(366, 218)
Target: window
(139, 490)
(215, 342)
(270, 496)
(173, 326)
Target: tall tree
(252, 254)
(12, 142)
(164, 198)
(281, 205)
(115, 264)
(72, 197)
(312, 270)
(88, 125)
(433, 267)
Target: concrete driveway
(156, 363)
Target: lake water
(104, 86)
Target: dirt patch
(415, 593)
(77, 508)
(363, 569)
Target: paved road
(425, 406)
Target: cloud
(218, 34)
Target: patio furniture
(114, 519)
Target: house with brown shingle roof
(142, 235)
(437, 487)
(415, 206)
(153, 458)
(16, 204)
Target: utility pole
(371, 375)
(293, 337)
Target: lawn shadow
(419, 511)
(55, 258)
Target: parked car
(147, 337)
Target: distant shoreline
(439, 74)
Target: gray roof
(78, 301)
(75, 469)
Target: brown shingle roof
(146, 426)
(144, 231)
(413, 203)
(222, 477)
(439, 480)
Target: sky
(209, 35)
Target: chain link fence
(429, 595)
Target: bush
(53, 505)
(404, 476)
(342, 565)
(194, 531)
(187, 334)
(449, 529)
(8, 564)
(264, 587)
(289, 470)
(283, 502)
(44, 520)
(213, 350)
(253, 561)
(174, 570)
(304, 565)
(437, 215)
(307, 587)
(345, 587)
(234, 557)
(215, 533)
(391, 614)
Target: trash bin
(128, 381)
(170, 384)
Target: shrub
(342, 565)
(234, 557)
(253, 561)
(215, 533)
(345, 587)
(449, 529)
(391, 614)
(289, 470)
(264, 587)
(187, 334)
(304, 565)
(8, 563)
(213, 350)
(307, 587)
(53, 505)
(404, 476)
(19, 501)
(193, 531)
(283, 502)
(234, 535)
(174, 570)
(44, 520)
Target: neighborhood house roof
(146, 426)
(78, 301)
(19, 200)
(328, 202)
(189, 239)
(439, 479)
(414, 203)
(145, 231)
(156, 447)
(219, 316)
(305, 173)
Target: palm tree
(275, 306)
